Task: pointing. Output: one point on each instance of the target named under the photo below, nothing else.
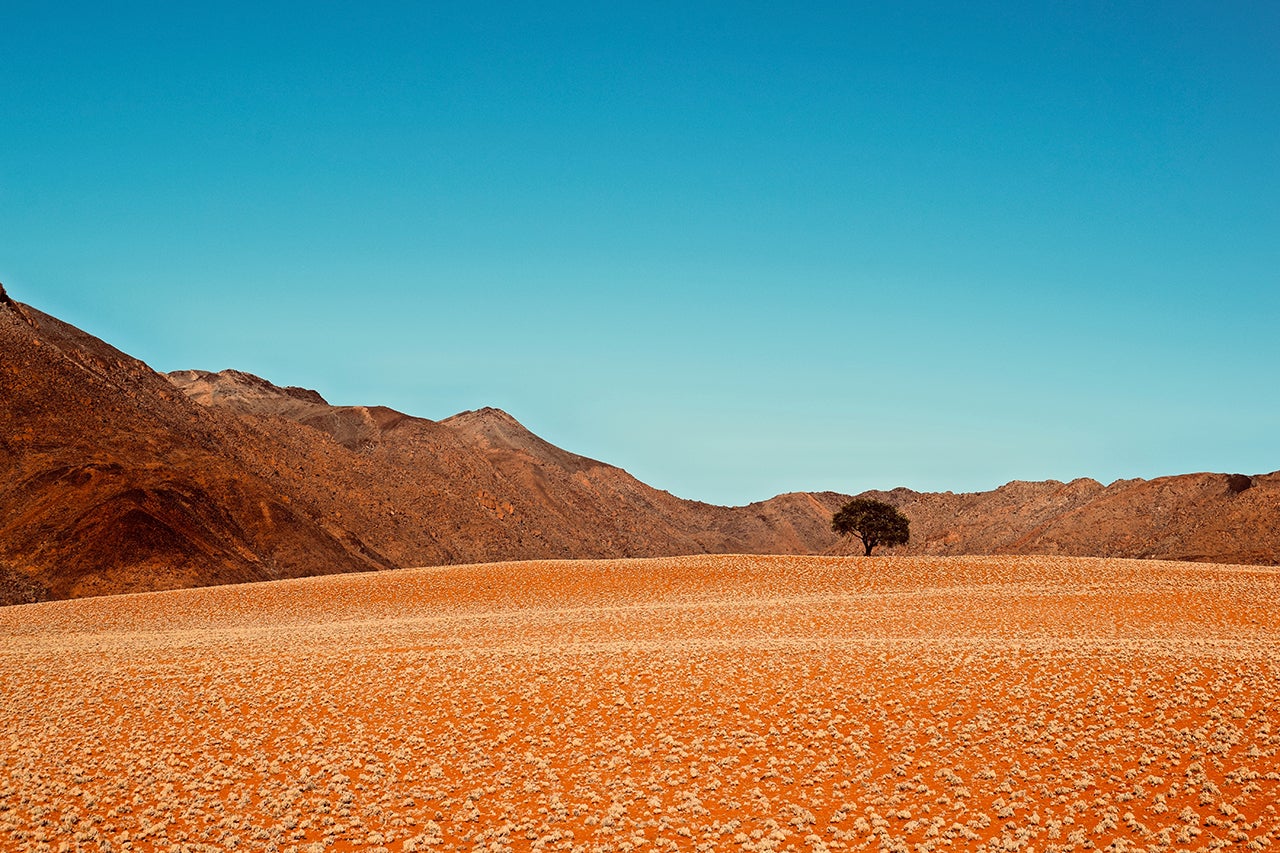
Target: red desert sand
(697, 703)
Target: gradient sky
(737, 249)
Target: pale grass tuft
(698, 703)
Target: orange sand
(696, 703)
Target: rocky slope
(1203, 517)
(476, 486)
(118, 479)
(112, 480)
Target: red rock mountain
(117, 478)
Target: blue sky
(737, 249)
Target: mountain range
(118, 478)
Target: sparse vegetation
(700, 703)
(872, 522)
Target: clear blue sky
(737, 249)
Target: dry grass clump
(709, 703)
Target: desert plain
(696, 703)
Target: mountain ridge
(114, 480)
(118, 478)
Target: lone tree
(874, 522)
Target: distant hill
(119, 479)
(1215, 518)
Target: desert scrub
(937, 703)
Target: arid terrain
(695, 703)
(115, 478)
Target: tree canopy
(872, 521)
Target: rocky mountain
(1216, 518)
(113, 480)
(117, 478)
(1202, 517)
(476, 486)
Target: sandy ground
(708, 703)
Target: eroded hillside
(111, 480)
(114, 478)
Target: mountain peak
(205, 387)
(491, 424)
(485, 414)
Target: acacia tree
(872, 521)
